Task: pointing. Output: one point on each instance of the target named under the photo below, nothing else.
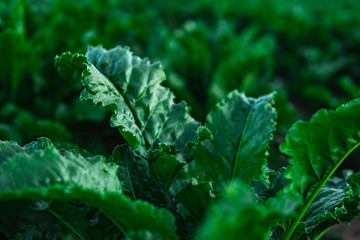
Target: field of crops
(178, 119)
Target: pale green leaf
(144, 111)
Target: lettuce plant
(175, 178)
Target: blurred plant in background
(306, 51)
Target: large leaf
(134, 172)
(144, 111)
(238, 216)
(196, 198)
(317, 148)
(337, 202)
(328, 204)
(242, 128)
(166, 168)
(144, 180)
(67, 176)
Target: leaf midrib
(72, 228)
(136, 119)
(129, 175)
(237, 156)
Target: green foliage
(162, 174)
(155, 179)
(67, 176)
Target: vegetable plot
(176, 178)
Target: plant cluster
(166, 173)
(177, 179)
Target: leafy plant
(174, 178)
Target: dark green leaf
(337, 202)
(166, 168)
(196, 198)
(238, 216)
(134, 173)
(242, 129)
(317, 148)
(66, 176)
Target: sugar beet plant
(174, 178)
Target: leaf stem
(315, 193)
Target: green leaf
(70, 65)
(67, 176)
(144, 111)
(337, 202)
(8, 149)
(329, 203)
(238, 215)
(317, 148)
(196, 198)
(242, 129)
(135, 173)
(85, 220)
(166, 168)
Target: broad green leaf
(196, 198)
(86, 220)
(67, 176)
(144, 111)
(242, 128)
(316, 149)
(328, 204)
(337, 202)
(143, 180)
(238, 216)
(134, 172)
(166, 168)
